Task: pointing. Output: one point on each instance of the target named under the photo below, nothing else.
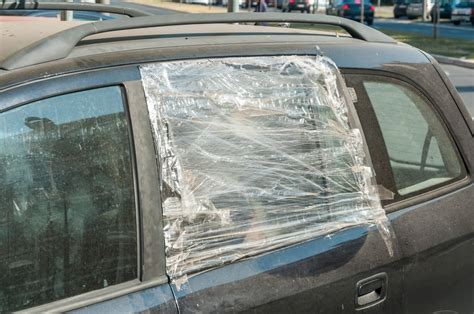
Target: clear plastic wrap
(255, 154)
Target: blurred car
(77, 15)
(245, 3)
(415, 8)
(350, 9)
(445, 10)
(297, 5)
(400, 8)
(463, 12)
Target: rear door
(267, 191)
(424, 163)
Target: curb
(454, 61)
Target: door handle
(371, 291)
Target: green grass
(457, 48)
(447, 47)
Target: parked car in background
(463, 12)
(76, 15)
(445, 9)
(298, 5)
(350, 9)
(199, 163)
(400, 8)
(415, 8)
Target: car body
(463, 12)
(285, 175)
(350, 9)
(400, 8)
(307, 6)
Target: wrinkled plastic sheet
(256, 154)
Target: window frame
(378, 150)
(150, 240)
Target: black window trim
(150, 260)
(431, 192)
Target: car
(400, 8)
(463, 12)
(307, 6)
(351, 9)
(415, 8)
(201, 163)
(446, 8)
(89, 12)
(77, 15)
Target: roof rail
(72, 6)
(59, 45)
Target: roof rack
(59, 45)
(72, 6)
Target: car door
(249, 227)
(427, 170)
(78, 204)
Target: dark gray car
(352, 9)
(187, 163)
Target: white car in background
(463, 12)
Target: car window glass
(256, 154)
(420, 150)
(67, 213)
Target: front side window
(419, 148)
(67, 212)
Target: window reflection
(67, 214)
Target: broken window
(256, 154)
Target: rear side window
(67, 209)
(420, 150)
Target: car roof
(18, 32)
(58, 46)
(128, 46)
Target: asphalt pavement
(446, 30)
